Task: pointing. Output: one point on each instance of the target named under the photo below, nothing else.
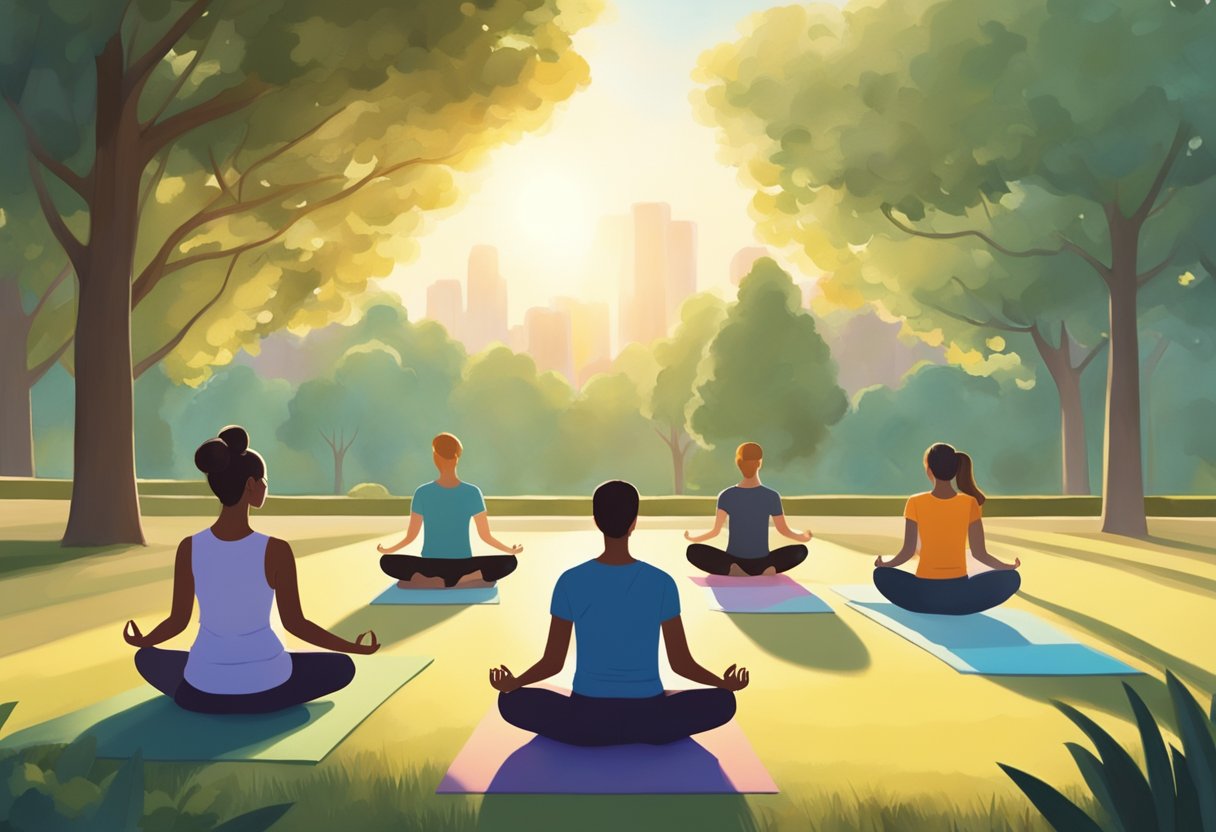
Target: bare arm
(909, 547)
(784, 529)
(550, 664)
(682, 662)
(182, 605)
(411, 534)
(281, 575)
(979, 549)
(719, 522)
(482, 521)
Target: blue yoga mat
(760, 594)
(144, 720)
(431, 597)
(1000, 642)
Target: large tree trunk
(1123, 488)
(1074, 451)
(105, 505)
(1150, 436)
(16, 424)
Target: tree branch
(659, 433)
(279, 151)
(1079, 250)
(155, 137)
(1167, 164)
(180, 81)
(46, 294)
(989, 324)
(150, 188)
(888, 212)
(219, 176)
(157, 356)
(346, 446)
(144, 64)
(1147, 276)
(329, 442)
(82, 185)
(1094, 353)
(43, 367)
(74, 249)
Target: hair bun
(213, 456)
(236, 438)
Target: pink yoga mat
(760, 594)
(502, 759)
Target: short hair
(615, 506)
(747, 457)
(447, 446)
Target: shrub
(368, 491)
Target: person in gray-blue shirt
(749, 505)
(441, 510)
(617, 607)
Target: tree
(681, 358)
(275, 120)
(770, 377)
(923, 112)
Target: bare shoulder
(277, 550)
(185, 547)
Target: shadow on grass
(29, 555)
(394, 623)
(306, 546)
(1173, 578)
(821, 641)
(865, 544)
(612, 813)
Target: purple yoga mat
(760, 594)
(502, 759)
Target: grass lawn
(860, 729)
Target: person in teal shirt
(441, 510)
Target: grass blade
(1199, 747)
(1157, 761)
(1128, 787)
(5, 710)
(258, 820)
(122, 808)
(1186, 804)
(1056, 809)
(1095, 777)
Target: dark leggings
(313, 675)
(405, 567)
(592, 721)
(715, 561)
(953, 596)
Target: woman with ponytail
(237, 664)
(944, 521)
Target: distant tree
(770, 377)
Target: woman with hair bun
(237, 664)
(945, 520)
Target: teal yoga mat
(1000, 642)
(432, 597)
(144, 720)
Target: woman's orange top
(942, 526)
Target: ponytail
(965, 478)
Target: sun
(552, 214)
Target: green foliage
(368, 491)
(1175, 793)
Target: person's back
(448, 512)
(236, 651)
(749, 510)
(618, 612)
(942, 525)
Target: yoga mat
(1000, 642)
(429, 597)
(760, 594)
(144, 720)
(502, 759)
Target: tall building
(549, 340)
(517, 338)
(445, 305)
(486, 318)
(681, 266)
(590, 334)
(611, 263)
(647, 310)
(741, 264)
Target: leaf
(7, 708)
(1186, 804)
(1156, 758)
(256, 821)
(1199, 747)
(77, 759)
(1056, 809)
(35, 812)
(1128, 787)
(1095, 777)
(122, 808)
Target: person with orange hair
(749, 505)
(938, 525)
(445, 506)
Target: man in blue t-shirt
(444, 508)
(749, 505)
(616, 606)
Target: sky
(630, 136)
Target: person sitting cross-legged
(442, 510)
(617, 607)
(749, 505)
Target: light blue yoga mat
(430, 597)
(144, 720)
(1000, 642)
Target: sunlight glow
(553, 214)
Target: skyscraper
(743, 261)
(648, 307)
(590, 334)
(549, 340)
(611, 263)
(445, 305)
(486, 318)
(681, 266)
